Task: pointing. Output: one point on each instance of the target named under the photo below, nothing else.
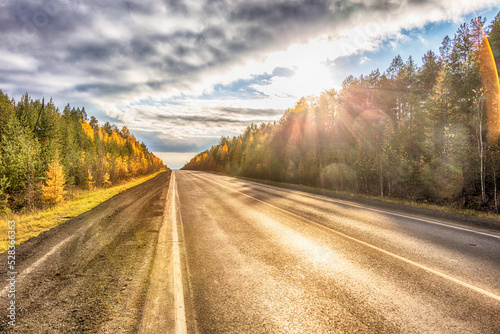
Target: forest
(427, 133)
(47, 156)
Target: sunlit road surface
(263, 259)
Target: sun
(310, 67)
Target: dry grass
(29, 225)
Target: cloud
(364, 59)
(252, 112)
(159, 141)
(184, 72)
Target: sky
(182, 73)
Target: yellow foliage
(133, 166)
(121, 167)
(300, 106)
(87, 129)
(107, 182)
(53, 190)
(222, 151)
(115, 137)
(101, 134)
(90, 180)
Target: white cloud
(364, 60)
(16, 62)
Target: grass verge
(29, 225)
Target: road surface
(213, 254)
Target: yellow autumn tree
(89, 131)
(107, 182)
(90, 180)
(53, 190)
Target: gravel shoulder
(96, 274)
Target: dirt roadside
(97, 280)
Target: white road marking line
(425, 220)
(418, 265)
(180, 312)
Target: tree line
(46, 154)
(428, 133)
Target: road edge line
(371, 208)
(408, 261)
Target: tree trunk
(483, 176)
(389, 186)
(494, 180)
(381, 178)
(481, 147)
(495, 190)
(341, 172)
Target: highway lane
(262, 259)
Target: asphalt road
(263, 259)
(199, 252)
